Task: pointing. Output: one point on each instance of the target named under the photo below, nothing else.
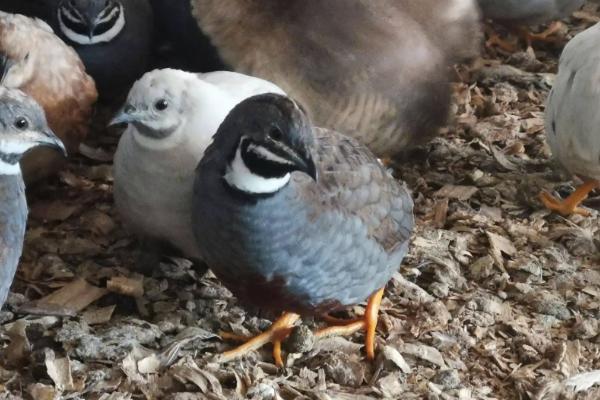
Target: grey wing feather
(13, 217)
(528, 11)
(356, 183)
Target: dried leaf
(456, 192)
(423, 352)
(59, 370)
(76, 295)
(98, 316)
(126, 286)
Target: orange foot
(570, 205)
(545, 36)
(369, 323)
(275, 334)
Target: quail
(114, 38)
(296, 218)
(23, 126)
(34, 60)
(171, 116)
(177, 30)
(572, 121)
(528, 12)
(518, 13)
(376, 70)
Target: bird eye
(161, 105)
(21, 123)
(275, 133)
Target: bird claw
(368, 323)
(275, 334)
(562, 207)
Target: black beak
(91, 26)
(306, 164)
(311, 168)
(6, 64)
(49, 139)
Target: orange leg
(276, 333)
(339, 321)
(544, 36)
(368, 323)
(570, 205)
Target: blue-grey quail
(22, 127)
(517, 14)
(296, 218)
(36, 61)
(376, 70)
(528, 12)
(114, 38)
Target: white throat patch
(239, 176)
(9, 169)
(102, 38)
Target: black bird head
(89, 22)
(274, 138)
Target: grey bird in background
(23, 126)
(114, 38)
(528, 12)
(296, 218)
(171, 116)
(572, 118)
(375, 70)
(518, 14)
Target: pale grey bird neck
(156, 183)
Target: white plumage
(154, 175)
(572, 110)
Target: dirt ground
(504, 304)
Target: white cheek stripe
(240, 177)
(16, 147)
(110, 15)
(9, 169)
(267, 155)
(85, 40)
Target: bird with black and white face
(36, 61)
(23, 127)
(88, 22)
(171, 116)
(114, 38)
(297, 219)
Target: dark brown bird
(375, 70)
(34, 60)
